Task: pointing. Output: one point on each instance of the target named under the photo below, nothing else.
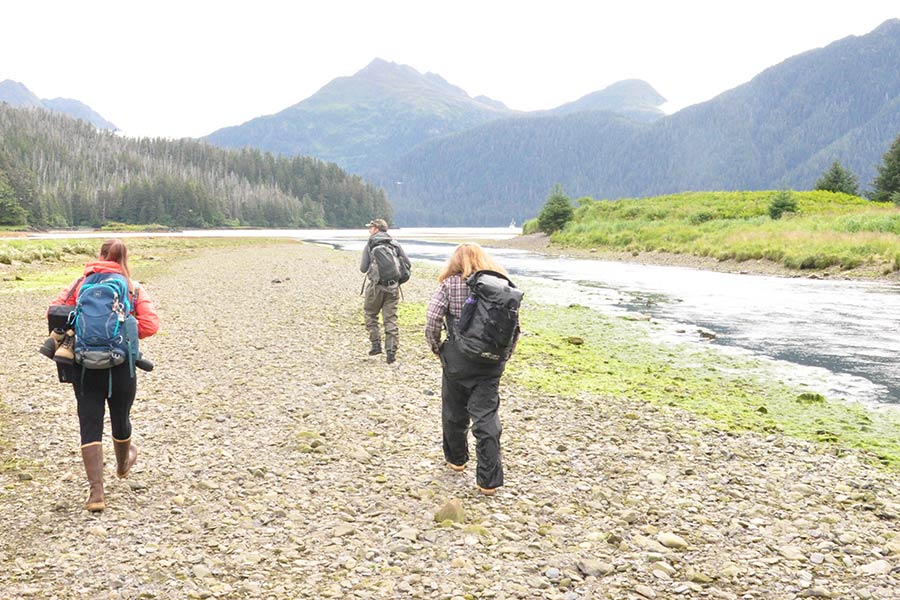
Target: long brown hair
(466, 259)
(116, 251)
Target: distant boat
(512, 224)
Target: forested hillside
(781, 129)
(58, 172)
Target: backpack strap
(73, 289)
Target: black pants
(469, 392)
(93, 392)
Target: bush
(530, 226)
(783, 202)
(556, 212)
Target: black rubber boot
(390, 356)
(376, 348)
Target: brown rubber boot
(65, 354)
(92, 455)
(126, 456)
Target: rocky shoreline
(539, 242)
(278, 460)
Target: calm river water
(840, 337)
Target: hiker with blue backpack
(478, 306)
(386, 267)
(98, 343)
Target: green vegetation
(886, 187)
(556, 212)
(59, 172)
(782, 203)
(530, 226)
(570, 352)
(827, 230)
(838, 179)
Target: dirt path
(278, 460)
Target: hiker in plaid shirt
(469, 390)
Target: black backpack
(489, 320)
(386, 265)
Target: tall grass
(828, 229)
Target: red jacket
(144, 311)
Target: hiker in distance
(386, 267)
(480, 306)
(105, 295)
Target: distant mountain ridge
(781, 129)
(367, 120)
(16, 94)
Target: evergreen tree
(783, 202)
(556, 212)
(887, 183)
(838, 179)
(11, 212)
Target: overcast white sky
(186, 68)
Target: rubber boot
(126, 456)
(92, 455)
(65, 354)
(390, 356)
(376, 348)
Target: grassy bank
(827, 230)
(567, 353)
(51, 264)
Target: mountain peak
(889, 26)
(380, 67)
(16, 94)
(631, 97)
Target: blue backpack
(106, 332)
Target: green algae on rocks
(619, 358)
(567, 352)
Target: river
(839, 337)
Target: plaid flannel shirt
(450, 297)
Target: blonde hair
(466, 259)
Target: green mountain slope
(376, 115)
(783, 128)
(368, 120)
(65, 172)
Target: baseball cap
(379, 224)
